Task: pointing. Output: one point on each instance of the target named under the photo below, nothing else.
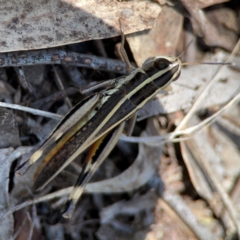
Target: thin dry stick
(48, 197)
(22, 79)
(30, 233)
(155, 141)
(31, 110)
(61, 56)
(60, 84)
(54, 97)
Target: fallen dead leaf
(7, 223)
(160, 40)
(8, 129)
(41, 24)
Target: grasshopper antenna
(208, 63)
(186, 48)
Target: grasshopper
(97, 122)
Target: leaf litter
(185, 190)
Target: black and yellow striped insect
(98, 121)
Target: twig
(54, 97)
(156, 140)
(61, 86)
(61, 56)
(31, 110)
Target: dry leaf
(34, 74)
(7, 223)
(41, 24)
(178, 207)
(208, 3)
(8, 129)
(161, 40)
(5, 90)
(213, 34)
(198, 179)
(229, 153)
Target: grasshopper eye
(162, 63)
(157, 63)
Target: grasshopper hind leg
(97, 154)
(123, 51)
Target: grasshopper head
(163, 64)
